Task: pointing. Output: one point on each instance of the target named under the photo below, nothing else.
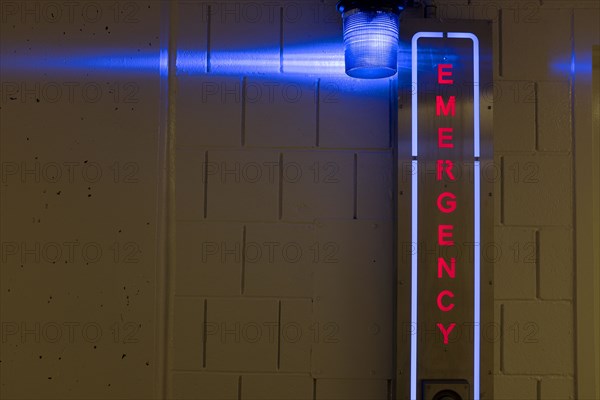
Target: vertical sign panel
(446, 243)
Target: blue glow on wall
(324, 58)
(580, 64)
(371, 44)
(76, 60)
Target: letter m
(441, 107)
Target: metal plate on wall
(445, 210)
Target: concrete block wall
(282, 285)
(535, 116)
(78, 199)
(284, 276)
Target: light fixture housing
(371, 37)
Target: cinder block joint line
(279, 335)
(500, 43)
(355, 194)
(280, 39)
(502, 338)
(243, 105)
(536, 129)
(205, 333)
(208, 39)
(318, 112)
(243, 260)
(280, 204)
(205, 184)
(502, 174)
(538, 278)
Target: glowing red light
(442, 74)
(446, 201)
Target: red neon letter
(445, 232)
(440, 107)
(446, 331)
(443, 294)
(449, 205)
(445, 168)
(445, 141)
(442, 74)
(450, 270)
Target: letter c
(440, 305)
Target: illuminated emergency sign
(445, 234)
(446, 202)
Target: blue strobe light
(371, 37)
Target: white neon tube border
(477, 211)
